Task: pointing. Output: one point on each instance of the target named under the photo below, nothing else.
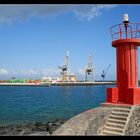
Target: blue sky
(34, 38)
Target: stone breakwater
(86, 123)
(133, 127)
(92, 121)
(31, 128)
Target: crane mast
(67, 58)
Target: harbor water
(19, 104)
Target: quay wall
(59, 84)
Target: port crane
(66, 74)
(89, 69)
(105, 72)
(64, 68)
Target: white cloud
(91, 11)
(81, 72)
(11, 13)
(3, 71)
(30, 72)
(50, 72)
(27, 73)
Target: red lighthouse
(126, 39)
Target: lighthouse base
(132, 96)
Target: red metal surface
(126, 44)
(112, 95)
